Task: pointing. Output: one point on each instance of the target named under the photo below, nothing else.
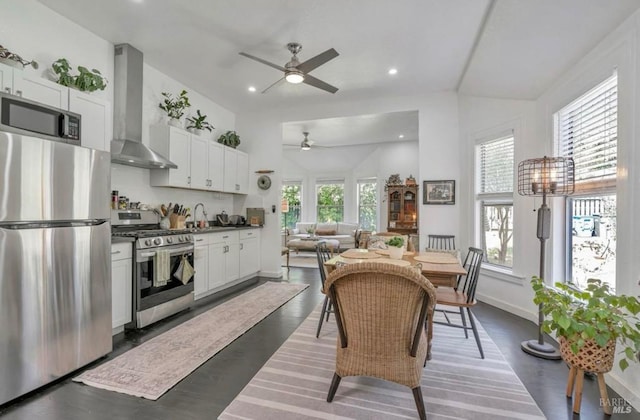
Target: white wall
(534, 137)
(438, 149)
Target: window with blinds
(588, 132)
(494, 175)
(496, 166)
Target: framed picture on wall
(439, 192)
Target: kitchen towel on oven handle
(185, 271)
(161, 268)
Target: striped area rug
(456, 383)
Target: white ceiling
(522, 45)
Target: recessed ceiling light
(401, 136)
(252, 89)
(393, 71)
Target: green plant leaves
(86, 81)
(595, 313)
(175, 107)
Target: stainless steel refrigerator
(55, 274)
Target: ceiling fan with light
(305, 144)
(296, 72)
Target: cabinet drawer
(249, 233)
(228, 237)
(121, 251)
(202, 239)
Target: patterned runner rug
(152, 368)
(456, 383)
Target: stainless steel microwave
(22, 116)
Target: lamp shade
(550, 176)
(284, 205)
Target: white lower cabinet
(220, 259)
(249, 252)
(121, 285)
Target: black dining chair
(441, 242)
(462, 296)
(323, 254)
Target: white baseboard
(630, 396)
(533, 317)
(271, 274)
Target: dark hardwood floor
(206, 392)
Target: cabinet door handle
(237, 187)
(115, 252)
(189, 180)
(241, 247)
(199, 240)
(225, 237)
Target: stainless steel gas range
(154, 300)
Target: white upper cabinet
(174, 144)
(236, 171)
(216, 166)
(96, 126)
(40, 90)
(199, 160)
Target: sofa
(345, 233)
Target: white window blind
(496, 166)
(588, 132)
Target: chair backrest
(441, 241)
(472, 263)
(380, 308)
(323, 254)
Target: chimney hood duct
(127, 147)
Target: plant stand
(590, 358)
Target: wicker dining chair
(462, 296)
(380, 311)
(441, 241)
(323, 254)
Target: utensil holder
(165, 223)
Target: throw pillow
(325, 232)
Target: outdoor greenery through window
(291, 204)
(495, 196)
(587, 131)
(330, 201)
(367, 203)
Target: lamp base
(543, 351)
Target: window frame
(301, 193)
(483, 199)
(331, 181)
(368, 180)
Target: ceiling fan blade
(312, 81)
(273, 84)
(318, 60)
(275, 66)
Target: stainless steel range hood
(127, 147)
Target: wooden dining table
(434, 268)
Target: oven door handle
(174, 251)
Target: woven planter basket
(591, 357)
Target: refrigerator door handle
(54, 224)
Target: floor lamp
(545, 177)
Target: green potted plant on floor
(175, 107)
(230, 138)
(396, 247)
(198, 124)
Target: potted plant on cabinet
(589, 323)
(230, 138)
(396, 247)
(199, 123)
(175, 107)
(86, 80)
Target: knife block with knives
(177, 216)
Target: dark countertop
(214, 229)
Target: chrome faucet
(204, 213)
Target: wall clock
(264, 182)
